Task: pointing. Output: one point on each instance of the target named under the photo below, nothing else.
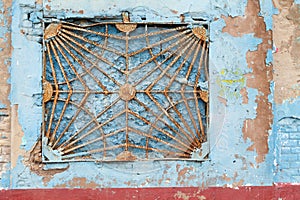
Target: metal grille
(124, 91)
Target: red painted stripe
(278, 191)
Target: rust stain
(80, 11)
(256, 129)
(48, 7)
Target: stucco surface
(254, 92)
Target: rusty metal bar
(69, 48)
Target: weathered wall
(254, 100)
(287, 79)
(286, 59)
(5, 109)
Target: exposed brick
(291, 171)
(4, 123)
(3, 166)
(295, 164)
(296, 178)
(289, 157)
(284, 135)
(295, 135)
(5, 150)
(290, 128)
(290, 143)
(4, 135)
(284, 165)
(4, 142)
(5, 158)
(295, 149)
(285, 150)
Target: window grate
(124, 91)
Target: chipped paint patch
(261, 76)
(233, 73)
(287, 58)
(5, 110)
(79, 183)
(187, 196)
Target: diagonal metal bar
(157, 139)
(184, 155)
(161, 42)
(161, 53)
(195, 88)
(69, 94)
(184, 41)
(86, 58)
(182, 137)
(56, 94)
(90, 31)
(71, 48)
(71, 142)
(159, 129)
(102, 138)
(88, 123)
(86, 69)
(169, 85)
(90, 41)
(70, 122)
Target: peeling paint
(184, 196)
(5, 111)
(241, 141)
(262, 75)
(286, 60)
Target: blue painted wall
(232, 161)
